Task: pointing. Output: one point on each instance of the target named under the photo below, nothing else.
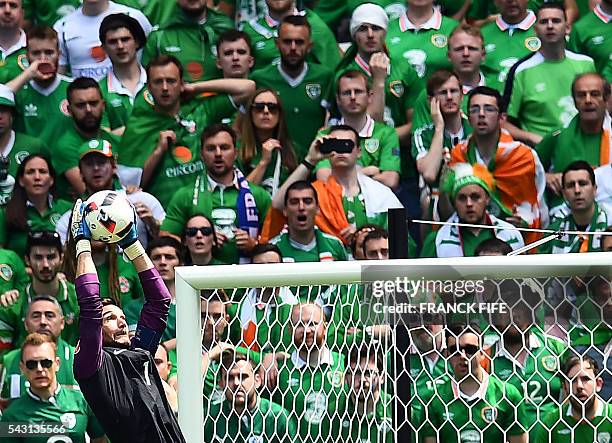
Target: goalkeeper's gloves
(79, 229)
(130, 244)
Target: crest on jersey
(549, 362)
(533, 43)
(335, 378)
(20, 156)
(64, 107)
(54, 218)
(470, 436)
(313, 90)
(148, 97)
(396, 87)
(371, 145)
(23, 62)
(255, 439)
(68, 420)
(488, 414)
(603, 437)
(439, 40)
(6, 272)
(124, 285)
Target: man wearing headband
(470, 188)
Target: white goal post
(191, 279)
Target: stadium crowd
(276, 131)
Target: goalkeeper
(118, 376)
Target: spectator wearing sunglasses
(266, 151)
(481, 406)
(44, 315)
(200, 242)
(49, 402)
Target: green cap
(7, 98)
(96, 146)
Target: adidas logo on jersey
(564, 431)
(597, 40)
(30, 110)
(294, 382)
(172, 49)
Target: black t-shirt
(127, 396)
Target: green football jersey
(47, 12)
(324, 247)
(67, 408)
(263, 32)
(592, 35)
(181, 164)
(379, 146)
(540, 91)
(426, 47)
(192, 43)
(468, 240)
(13, 60)
(12, 271)
(493, 414)
(12, 318)
(128, 284)
(560, 426)
(538, 379)
(505, 45)
(266, 422)
(303, 100)
(424, 374)
(66, 156)
(375, 427)
(13, 382)
(119, 100)
(402, 86)
(16, 240)
(43, 113)
(314, 396)
(220, 205)
(19, 147)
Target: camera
(338, 145)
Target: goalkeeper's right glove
(79, 229)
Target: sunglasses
(260, 106)
(469, 350)
(33, 364)
(192, 232)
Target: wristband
(83, 245)
(308, 165)
(134, 250)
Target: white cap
(7, 98)
(368, 13)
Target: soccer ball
(109, 215)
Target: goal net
(470, 350)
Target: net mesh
(322, 362)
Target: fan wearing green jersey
(538, 88)
(12, 40)
(582, 213)
(12, 272)
(263, 31)
(379, 143)
(234, 54)
(40, 92)
(244, 416)
(587, 137)
(584, 416)
(121, 37)
(311, 379)
(44, 256)
(189, 34)
(14, 146)
(47, 12)
(43, 315)
(420, 35)
(301, 85)
(473, 406)
(592, 35)
(48, 402)
(368, 416)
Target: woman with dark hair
(266, 152)
(32, 206)
(200, 242)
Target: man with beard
(43, 316)
(311, 379)
(524, 356)
(264, 29)
(190, 35)
(107, 360)
(473, 405)
(592, 36)
(44, 256)
(244, 416)
(64, 413)
(584, 416)
(368, 417)
(301, 85)
(12, 39)
(86, 106)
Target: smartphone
(338, 145)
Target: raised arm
(240, 89)
(88, 356)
